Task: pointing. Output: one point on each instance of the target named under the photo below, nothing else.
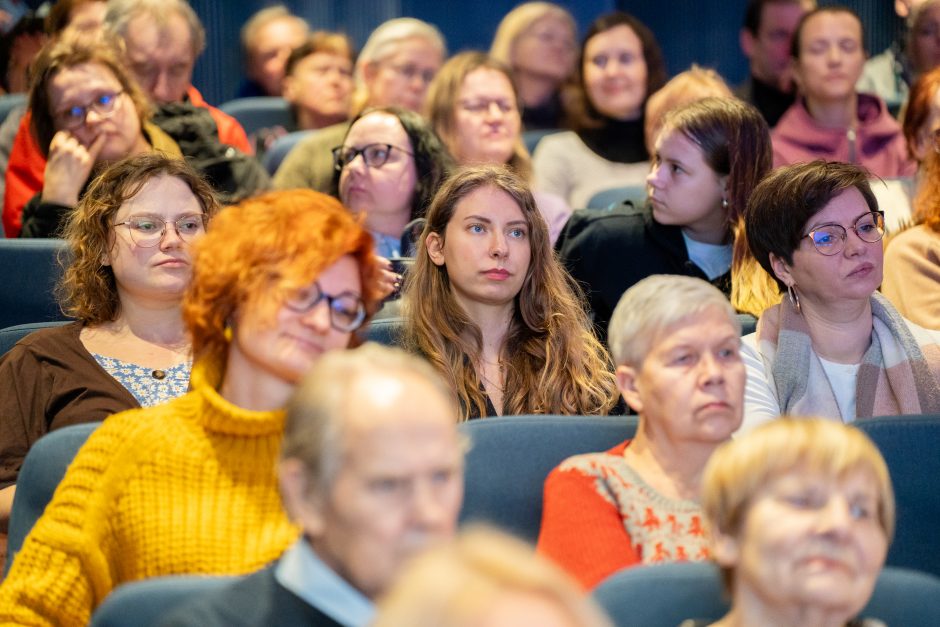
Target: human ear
(781, 270)
(369, 71)
(627, 383)
(746, 40)
(435, 245)
(302, 505)
(725, 549)
(289, 88)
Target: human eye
(729, 352)
(474, 106)
(442, 476)
(476, 228)
(73, 113)
(861, 510)
(683, 358)
(376, 154)
(626, 58)
(824, 237)
(388, 486)
(804, 499)
(347, 306)
(145, 225)
(189, 224)
(849, 45)
(675, 168)
(105, 100)
(600, 61)
(518, 233)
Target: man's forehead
(145, 35)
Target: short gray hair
(655, 303)
(121, 12)
(321, 404)
(264, 17)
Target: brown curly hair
(555, 365)
(288, 237)
(87, 290)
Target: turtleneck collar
(621, 141)
(220, 415)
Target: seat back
(145, 603)
(11, 335)
(255, 114)
(510, 457)
(531, 139)
(8, 102)
(274, 156)
(385, 331)
(31, 270)
(909, 445)
(610, 199)
(667, 594)
(42, 470)
(663, 595)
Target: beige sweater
(912, 275)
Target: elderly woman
(387, 169)
(188, 486)
(491, 308)
(538, 41)
(485, 579)
(830, 120)
(393, 69)
(675, 341)
(620, 66)
(87, 112)
(475, 109)
(834, 346)
(130, 241)
(801, 513)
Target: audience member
(129, 242)
(830, 120)
(83, 15)
(835, 347)
(393, 69)
(800, 513)
(318, 80)
(162, 39)
(401, 166)
(474, 108)
(537, 40)
(709, 155)
(188, 486)
(889, 74)
(620, 66)
(766, 38)
(675, 341)
(370, 483)
(922, 116)
(87, 112)
(490, 307)
(912, 257)
(486, 579)
(696, 83)
(268, 37)
(18, 48)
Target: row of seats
(511, 456)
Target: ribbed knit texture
(185, 487)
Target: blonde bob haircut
(517, 23)
(381, 44)
(443, 99)
(87, 290)
(554, 364)
(459, 584)
(655, 303)
(313, 432)
(258, 251)
(740, 468)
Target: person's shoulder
(558, 144)
(52, 340)
(627, 216)
(594, 464)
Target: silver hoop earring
(794, 299)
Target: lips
(862, 271)
(172, 262)
(497, 274)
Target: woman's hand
(390, 281)
(68, 167)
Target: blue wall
(700, 31)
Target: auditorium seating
(255, 114)
(31, 269)
(510, 457)
(145, 603)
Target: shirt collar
(301, 571)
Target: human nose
(835, 518)
(653, 179)
(493, 111)
(498, 245)
(427, 507)
(318, 317)
(170, 238)
(711, 370)
(162, 88)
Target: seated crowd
(216, 314)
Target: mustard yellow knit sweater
(184, 487)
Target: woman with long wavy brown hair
(494, 312)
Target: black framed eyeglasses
(103, 104)
(347, 311)
(148, 231)
(375, 155)
(829, 239)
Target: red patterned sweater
(599, 516)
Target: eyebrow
(479, 218)
(856, 219)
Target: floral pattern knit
(141, 382)
(185, 487)
(600, 516)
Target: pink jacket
(879, 144)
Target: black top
(617, 140)
(255, 601)
(770, 101)
(608, 252)
(546, 116)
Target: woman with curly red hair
(189, 486)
